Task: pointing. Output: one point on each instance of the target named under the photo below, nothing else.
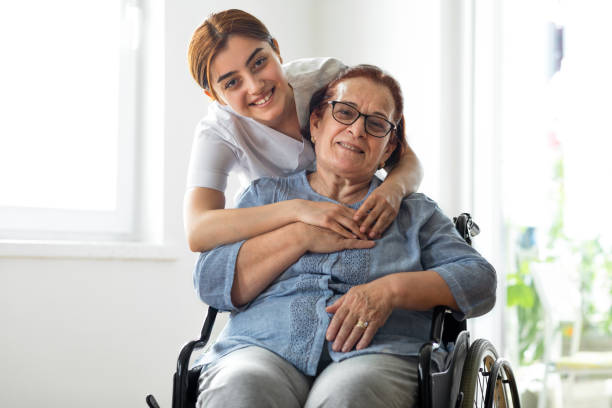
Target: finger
(372, 217)
(367, 337)
(343, 232)
(334, 306)
(382, 223)
(348, 324)
(335, 324)
(352, 226)
(365, 208)
(358, 244)
(355, 335)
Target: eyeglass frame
(365, 118)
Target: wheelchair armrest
(437, 323)
(208, 324)
(180, 394)
(182, 364)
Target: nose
(255, 85)
(357, 128)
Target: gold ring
(361, 324)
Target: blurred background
(508, 106)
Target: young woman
(254, 127)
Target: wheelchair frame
(486, 380)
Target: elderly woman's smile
(350, 147)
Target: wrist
(296, 206)
(396, 289)
(300, 238)
(394, 192)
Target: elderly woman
(318, 319)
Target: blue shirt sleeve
(471, 279)
(213, 275)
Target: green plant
(594, 262)
(522, 295)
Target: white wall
(82, 331)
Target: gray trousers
(254, 377)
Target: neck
(289, 123)
(340, 188)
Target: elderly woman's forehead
(364, 89)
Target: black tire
(478, 364)
(501, 388)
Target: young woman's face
(247, 75)
(347, 149)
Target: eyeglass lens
(347, 115)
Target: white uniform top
(226, 141)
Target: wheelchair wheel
(502, 393)
(478, 365)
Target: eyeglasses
(347, 115)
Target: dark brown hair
(319, 100)
(212, 35)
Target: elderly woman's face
(348, 150)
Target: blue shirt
(289, 317)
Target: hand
(378, 211)
(334, 217)
(369, 303)
(323, 240)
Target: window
(69, 127)
(543, 137)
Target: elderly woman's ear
(315, 121)
(389, 149)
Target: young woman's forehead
(236, 52)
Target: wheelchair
(473, 374)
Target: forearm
(262, 259)
(420, 290)
(406, 176)
(213, 227)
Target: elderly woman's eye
(345, 113)
(378, 124)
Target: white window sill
(89, 250)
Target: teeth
(352, 148)
(263, 100)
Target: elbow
(190, 235)
(195, 241)
(238, 301)
(488, 293)
(193, 245)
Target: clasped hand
(369, 221)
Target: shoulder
(266, 190)
(221, 122)
(312, 70)
(418, 206)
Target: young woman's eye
(231, 83)
(259, 62)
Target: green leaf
(520, 295)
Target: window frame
(120, 224)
